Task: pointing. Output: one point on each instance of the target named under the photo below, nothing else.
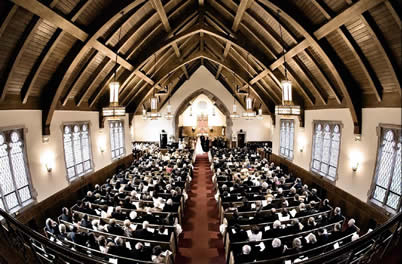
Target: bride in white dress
(198, 147)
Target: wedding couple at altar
(202, 145)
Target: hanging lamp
(154, 114)
(169, 114)
(234, 114)
(250, 113)
(114, 110)
(260, 116)
(287, 107)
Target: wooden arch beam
(355, 111)
(196, 56)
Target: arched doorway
(218, 103)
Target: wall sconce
(102, 143)
(48, 161)
(355, 165)
(358, 137)
(302, 143)
(45, 139)
(301, 148)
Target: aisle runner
(201, 242)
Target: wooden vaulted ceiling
(60, 54)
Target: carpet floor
(201, 241)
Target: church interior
(200, 131)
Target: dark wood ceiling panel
(39, 37)
(324, 68)
(315, 72)
(348, 58)
(336, 5)
(363, 38)
(65, 7)
(386, 22)
(55, 58)
(313, 14)
(129, 27)
(91, 12)
(10, 44)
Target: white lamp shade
(249, 103)
(286, 91)
(114, 92)
(234, 108)
(154, 103)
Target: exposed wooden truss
(189, 34)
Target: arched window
(15, 186)
(326, 144)
(77, 150)
(286, 138)
(387, 189)
(116, 138)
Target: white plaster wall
(365, 151)
(148, 130)
(46, 183)
(186, 120)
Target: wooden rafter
(357, 53)
(8, 19)
(244, 4)
(356, 112)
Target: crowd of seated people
(268, 214)
(134, 217)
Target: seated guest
(76, 219)
(143, 232)
(355, 236)
(310, 241)
(91, 241)
(157, 256)
(237, 234)
(62, 235)
(310, 224)
(118, 213)
(246, 255)
(336, 232)
(277, 249)
(65, 215)
(102, 244)
(119, 248)
(75, 236)
(114, 228)
(351, 228)
(322, 236)
(128, 231)
(141, 252)
(336, 217)
(297, 247)
(254, 234)
(85, 222)
(51, 226)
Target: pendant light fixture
(169, 114)
(249, 114)
(260, 116)
(287, 107)
(154, 114)
(114, 110)
(234, 114)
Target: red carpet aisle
(202, 242)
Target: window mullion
(330, 149)
(12, 173)
(72, 148)
(391, 176)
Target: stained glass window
(388, 179)
(15, 187)
(286, 138)
(116, 138)
(77, 150)
(326, 143)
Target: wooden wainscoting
(351, 206)
(35, 215)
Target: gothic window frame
(28, 203)
(290, 122)
(91, 160)
(332, 124)
(382, 129)
(123, 147)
